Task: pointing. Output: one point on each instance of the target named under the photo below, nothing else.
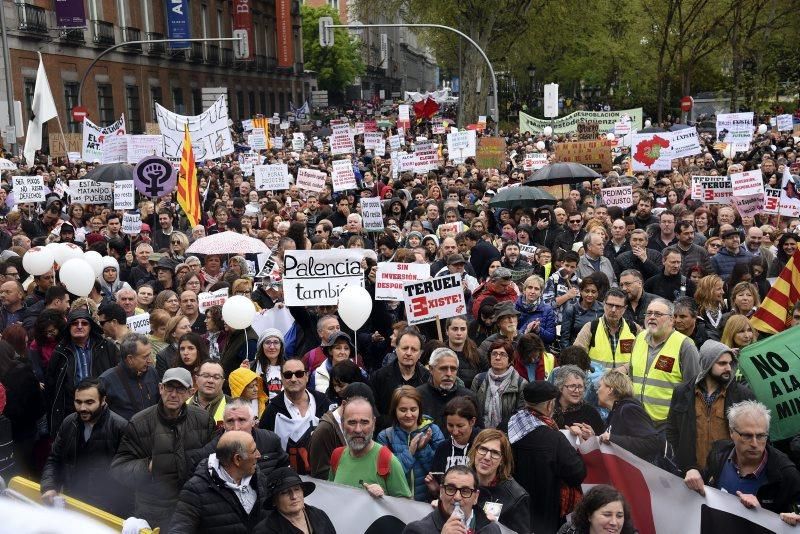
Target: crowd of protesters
(620, 323)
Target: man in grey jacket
(593, 259)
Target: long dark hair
(202, 351)
(45, 320)
(596, 498)
(7, 358)
(780, 255)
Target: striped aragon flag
(188, 189)
(775, 313)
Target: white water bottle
(458, 512)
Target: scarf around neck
(493, 406)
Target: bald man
(12, 297)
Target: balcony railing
(73, 36)
(196, 53)
(155, 49)
(212, 54)
(103, 32)
(132, 34)
(32, 19)
(227, 57)
(177, 54)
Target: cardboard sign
(747, 184)
(343, 176)
(437, 298)
(712, 189)
(594, 154)
(491, 152)
(124, 195)
(534, 161)
(272, 177)
(91, 192)
(391, 277)
(618, 196)
(139, 323)
(316, 277)
(28, 189)
(131, 224)
(372, 214)
(207, 299)
(311, 180)
(57, 148)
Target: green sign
(772, 367)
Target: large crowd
(623, 324)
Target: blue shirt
(83, 361)
(732, 481)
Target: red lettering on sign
(419, 306)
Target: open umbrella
(522, 197)
(228, 243)
(6, 165)
(677, 127)
(561, 174)
(110, 173)
(652, 129)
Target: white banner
(747, 184)
(404, 113)
(311, 180)
(131, 223)
(391, 277)
(372, 214)
(569, 123)
(712, 189)
(655, 151)
(208, 299)
(139, 323)
(28, 189)
(343, 176)
(272, 177)
(316, 277)
(341, 140)
(461, 145)
(735, 129)
(211, 137)
(790, 195)
(374, 141)
(91, 192)
(437, 298)
(618, 196)
(551, 100)
(784, 123)
(94, 136)
(534, 161)
(142, 146)
(124, 195)
(394, 143)
(114, 150)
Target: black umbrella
(522, 197)
(561, 174)
(678, 127)
(652, 129)
(110, 173)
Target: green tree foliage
(336, 66)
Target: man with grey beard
(364, 463)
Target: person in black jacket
(442, 386)
(227, 492)
(82, 353)
(691, 436)
(482, 253)
(81, 456)
(132, 385)
(287, 510)
(688, 323)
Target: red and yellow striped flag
(188, 189)
(263, 122)
(775, 313)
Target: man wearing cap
(731, 252)
(82, 353)
(132, 385)
(152, 457)
(546, 464)
(286, 508)
(442, 386)
(455, 265)
(227, 492)
(506, 319)
(499, 285)
(66, 233)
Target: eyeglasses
(499, 354)
(243, 292)
(209, 376)
(575, 387)
(715, 245)
(749, 437)
(272, 343)
(451, 490)
(297, 374)
(82, 324)
(483, 451)
(16, 275)
(176, 242)
(575, 221)
(169, 388)
(657, 315)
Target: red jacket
(485, 290)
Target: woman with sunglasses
(501, 497)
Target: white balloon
(60, 252)
(647, 123)
(355, 306)
(610, 136)
(540, 145)
(238, 312)
(73, 250)
(38, 260)
(548, 131)
(762, 129)
(94, 259)
(77, 276)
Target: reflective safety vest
(653, 385)
(600, 345)
(219, 413)
(549, 364)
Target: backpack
(384, 460)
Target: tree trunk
(474, 68)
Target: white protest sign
(438, 127)
(394, 143)
(391, 277)
(28, 189)
(311, 180)
(247, 125)
(450, 229)
(74, 156)
(618, 196)
(139, 323)
(91, 192)
(534, 161)
(341, 140)
(131, 223)
(59, 188)
(318, 144)
(712, 189)
(425, 157)
(749, 206)
(211, 137)
(784, 122)
(298, 141)
(790, 195)
(284, 125)
(272, 177)
(94, 136)
(316, 277)
(374, 141)
(735, 129)
(527, 250)
(257, 139)
(277, 143)
(655, 151)
(372, 214)
(404, 113)
(772, 201)
(343, 176)
(207, 299)
(114, 149)
(142, 146)
(747, 184)
(462, 145)
(437, 298)
(358, 129)
(124, 194)
(247, 169)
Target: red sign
(283, 27)
(243, 26)
(686, 103)
(79, 113)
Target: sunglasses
(297, 374)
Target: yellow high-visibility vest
(653, 385)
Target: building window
(251, 99)
(239, 105)
(177, 101)
(134, 107)
(262, 101)
(334, 4)
(197, 101)
(156, 97)
(105, 104)
(70, 101)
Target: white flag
(43, 108)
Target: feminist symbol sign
(154, 176)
